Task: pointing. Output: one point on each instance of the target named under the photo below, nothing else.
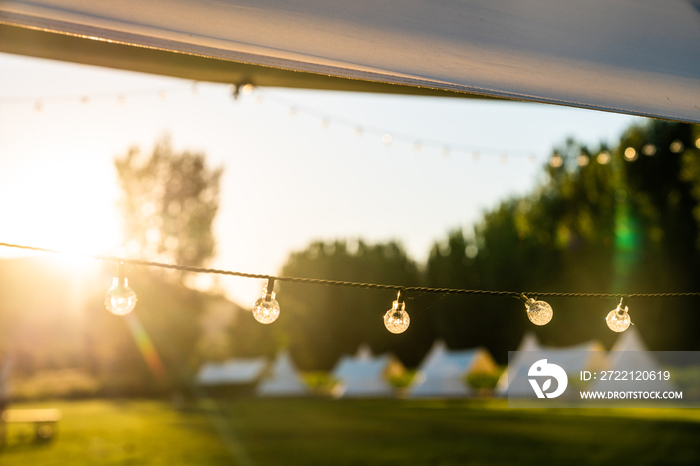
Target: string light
(539, 312)
(630, 154)
(618, 319)
(676, 147)
(396, 319)
(120, 299)
(237, 90)
(556, 161)
(266, 309)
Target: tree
(321, 323)
(625, 225)
(169, 203)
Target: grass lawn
(328, 432)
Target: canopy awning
(639, 57)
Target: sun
(61, 201)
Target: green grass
(356, 432)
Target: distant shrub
(403, 380)
(484, 380)
(320, 382)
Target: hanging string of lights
(121, 300)
(388, 137)
(358, 128)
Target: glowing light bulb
(539, 312)
(618, 319)
(556, 161)
(120, 299)
(266, 309)
(396, 319)
(676, 147)
(630, 154)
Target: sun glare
(60, 205)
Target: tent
(232, 372)
(589, 356)
(629, 353)
(364, 375)
(637, 57)
(442, 372)
(283, 379)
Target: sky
(296, 168)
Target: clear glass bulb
(539, 312)
(266, 309)
(396, 319)
(120, 299)
(618, 320)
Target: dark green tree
(320, 323)
(608, 221)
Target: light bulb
(539, 312)
(396, 319)
(266, 309)
(618, 319)
(120, 299)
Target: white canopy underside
(629, 56)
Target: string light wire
(319, 281)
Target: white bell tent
(443, 372)
(637, 57)
(283, 379)
(235, 371)
(365, 376)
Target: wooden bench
(44, 421)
